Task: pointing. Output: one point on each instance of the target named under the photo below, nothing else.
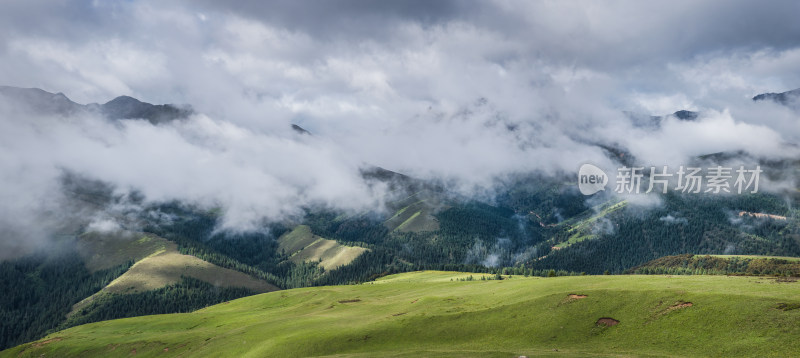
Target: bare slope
(302, 245)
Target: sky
(462, 92)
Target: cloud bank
(461, 92)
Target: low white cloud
(672, 220)
(459, 94)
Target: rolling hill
(441, 314)
(415, 213)
(156, 264)
(303, 246)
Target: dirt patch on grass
(572, 297)
(680, 305)
(674, 307)
(51, 340)
(350, 300)
(607, 322)
(788, 306)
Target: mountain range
(537, 225)
(122, 107)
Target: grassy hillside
(303, 246)
(158, 264)
(427, 314)
(415, 214)
(102, 251)
(580, 230)
(166, 267)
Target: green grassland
(303, 246)
(434, 314)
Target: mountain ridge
(785, 98)
(121, 107)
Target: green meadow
(439, 314)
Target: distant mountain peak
(300, 130)
(126, 107)
(123, 100)
(40, 101)
(785, 98)
(685, 115)
(122, 107)
(654, 122)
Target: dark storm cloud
(62, 19)
(608, 34)
(351, 18)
